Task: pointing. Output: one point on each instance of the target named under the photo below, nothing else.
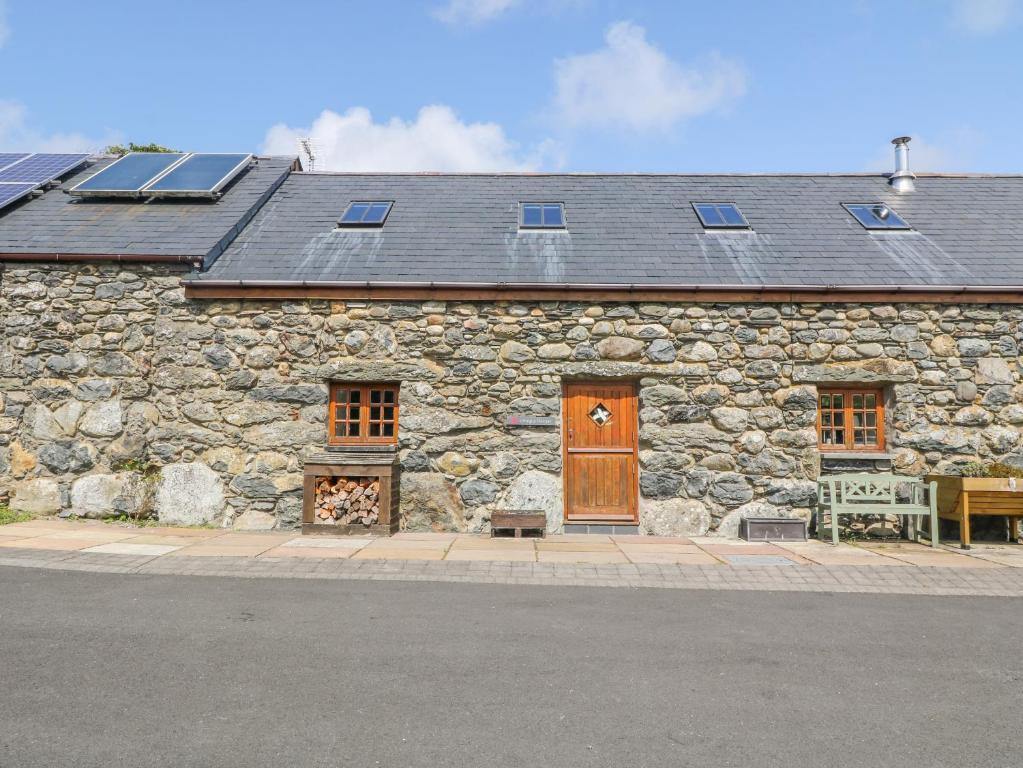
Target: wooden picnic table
(960, 497)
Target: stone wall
(120, 396)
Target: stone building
(670, 352)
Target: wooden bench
(517, 521)
(868, 494)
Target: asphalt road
(113, 670)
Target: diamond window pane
(600, 415)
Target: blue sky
(573, 85)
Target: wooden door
(600, 452)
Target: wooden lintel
(610, 295)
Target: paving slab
(410, 544)
(492, 555)
(167, 541)
(579, 537)
(650, 540)
(395, 553)
(48, 542)
(214, 550)
(307, 552)
(580, 556)
(641, 555)
(680, 549)
(329, 542)
(484, 543)
(131, 548)
(947, 561)
(575, 546)
(424, 536)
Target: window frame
(903, 226)
(364, 421)
(847, 411)
(341, 223)
(541, 205)
(716, 205)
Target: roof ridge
(661, 174)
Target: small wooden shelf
(382, 466)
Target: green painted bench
(869, 494)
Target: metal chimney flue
(902, 180)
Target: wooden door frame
(633, 519)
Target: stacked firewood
(347, 501)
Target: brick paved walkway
(620, 561)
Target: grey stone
(620, 348)
(730, 419)
(730, 489)
(475, 492)
(429, 502)
(661, 351)
(36, 496)
(110, 495)
(974, 347)
(658, 486)
(189, 494)
(254, 520)
(674, 517)
(698, 352)
(307, 394)
(102, 419)
(254, 487)
(994, 370)
(67, 456)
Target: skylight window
(876, 216)
(721, 216)
(365, 214)
(542, 216)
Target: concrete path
(619, 561)
(109, 671)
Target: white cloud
(983, 17)
(17, 135)
(473, 11)
(951, 151)
(435, 141)
(633, 84)
(5, 27)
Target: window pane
(353, 413)
(354, 213)
(531, 216)
(710, 215)
(375, 395)
(731, 216)
(552, 216)
(857, 419)
(341, 395)
(857, 401)
(374, 430)
(339, 412)
(840, 436)
(388, 430)
(871, 401)
(838, 401)
(826, 437)
(388, 413)
(872, 436)
(826, 419)
(389, 396)
(871, 419)
(339, 428)
(374, 413)
(355, 395)
(839, 419)
(858, 437)
(825, 401)
(377, 213)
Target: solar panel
(721, 216)
(9, 158)
(11, 192)
(876, 216)
(42, 167)
(126, 177)
(199, 175)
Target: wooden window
(850, 419)
(363, 414)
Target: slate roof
(192, 230)
(633, 230)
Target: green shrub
(991, 469)
(8, 516)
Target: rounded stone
(189, 494)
